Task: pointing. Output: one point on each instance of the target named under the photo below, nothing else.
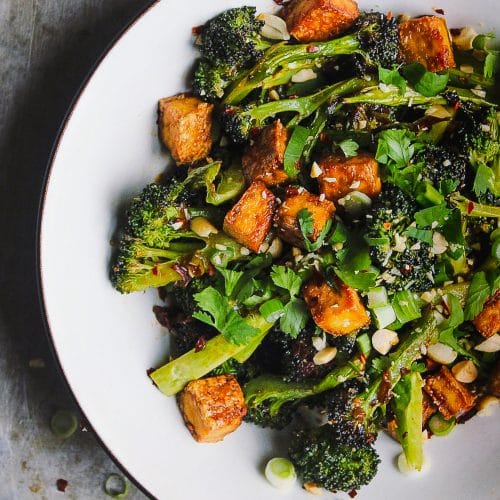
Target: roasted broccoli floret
(228, 43)
(376, 41)
(239, 121)
(441, 163)
(340, 455)
(405, 263)
(334, 458)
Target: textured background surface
(47, 47)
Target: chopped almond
(286, 216)
(450, 396)
(263, 159)
(212, 407)
(185, 125)
(338, 311)
(340, 175)
(426, 40)
(249, 221)
(487, 321)
(319, 20)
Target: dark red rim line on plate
(41, 206)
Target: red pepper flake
(293, 96)
(438, 11)
(183, 273)
(196, 30)
(200, 344)
(470, 207)
(291, 191)
(155, 271)
(456, 105)
(61, 484)
(311, 49)
(352, 493)
(389, 15)
(387, 226)
(323, 137)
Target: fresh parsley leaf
(479, 291)
(447, 186)
(392, 77)
(294, 317)
(286, 278)
(339, 233)
(306, 225)
(349, 147)
(491, 64)
(231, 279)
(395, 145)
(293, 151)
(483, 180)
(437, 214)
(425, 82)
(217, 312)
(362, 280)
(424, 235)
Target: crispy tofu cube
(340, 175)
(487, 321)
(286, 215)
(263, 159)
(450, 396)
(337, 311)
(428, 408)
(185, 125)
(319, 20)
(212, 407)
(494, 381)
(249, 221)
(426, 40)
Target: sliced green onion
(272, 310)
(429, 195)
(375, 242)
(439, 426)
(495, 235)
(364, 344)
(406, 305)
(355, 203)
(495, 249)
(63, 424)
(377, 297)
(294, 149)
(384, 315)
(116, 486)
(280, 472)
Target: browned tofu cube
(337, 311)
(340, 175)
(185, 125)
(450, 396)
(494, 381)
(212, 407)
(428, 408)
(286, 215)
(426, 40)
(487, 321)
(263, 159)
(319, 20)
(249, 221)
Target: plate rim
(39, 236)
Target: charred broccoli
(441, 163)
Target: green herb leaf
(286, 278)
(425, 82)
(231, 279)
(339, 233)
(272, 310)
(306, 225)
(480, 42)
(491, 64)
(483, 180)
(392, 77)
(424, 235)
(217, 312)
(437, 215)
(349, 147)
(362, 280)
(479, 291)
(294, 318)
(406, 306)
(395, 145)
(293, 151)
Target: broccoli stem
(317, 126)
(470, 208)
(408, 412)
(291, 58)
(462, 79)
(172, 377)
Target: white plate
(105, 341)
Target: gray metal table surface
(47, 47)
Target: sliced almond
(274, 27)
(437, 111)
(325, 355)
(463, 40)
(486, 405)
(441, 353)
(465, 371)
(315, 171)
(491, 344)
(275, 248)
(304, 75)
(202, 227)
(384, 339)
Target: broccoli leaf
(349, 147)
(392, 77)
(479, 291)
(217, 312)
(294, 317)
(286, 278)
(425, 82)
(483, 180)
